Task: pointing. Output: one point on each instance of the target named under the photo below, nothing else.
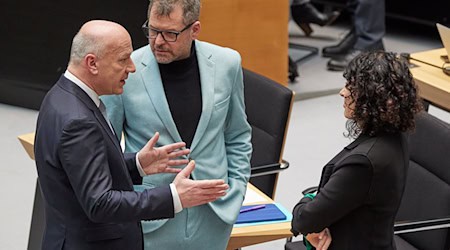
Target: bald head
(100, 56)
(95, 37)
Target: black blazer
(86, 180)
(359, 194)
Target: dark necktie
(102, 109)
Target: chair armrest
(421, 225)
(269, 168)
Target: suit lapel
(207, 79)
(151, 78)
(106, 127)
(81, 95)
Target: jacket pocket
(103, 232)
(222, 103)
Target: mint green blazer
(221, 145)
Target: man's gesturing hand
(160, 160)
(197, 192)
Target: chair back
(427, 191)
(268, 106)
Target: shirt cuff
(177, 207)
(139, 167)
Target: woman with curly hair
(361, 187)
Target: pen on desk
(253, 208)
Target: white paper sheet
(252, 197)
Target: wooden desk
(250, 235)
(27, 141)
(430, 56)
(240, 236)
(38, 214)
(434, 85)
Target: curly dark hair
(384, 93)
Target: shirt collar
(90, 92)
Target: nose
(159, 39)
(342, 92)
(131, 67)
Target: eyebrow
(153, 27)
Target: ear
(196, 27)
(90, 61)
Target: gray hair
(83, 44)
(191, 9)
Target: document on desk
(251, 196)
(258, 213)
(254, 215)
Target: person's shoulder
(139, 54)
(216, 50)
(380, 147)
(359, 150)
(61, 111)
(391, 144)
(61, 98)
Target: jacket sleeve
(347, 188)
(130, 160)
(238, 146)
(84, 158)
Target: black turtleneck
(181, 81)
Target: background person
(304, 13)
(368, 29)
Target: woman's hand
(321, 241)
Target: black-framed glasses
(167, 35)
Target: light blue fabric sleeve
(237, 135)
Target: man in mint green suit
(190, 91)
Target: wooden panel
(258, 29)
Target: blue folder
(269, 213)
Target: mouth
(161, 50)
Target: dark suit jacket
(86, 180)
(359, 194)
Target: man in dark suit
(86, 180)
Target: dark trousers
(368, 22)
